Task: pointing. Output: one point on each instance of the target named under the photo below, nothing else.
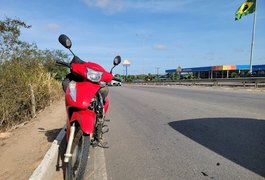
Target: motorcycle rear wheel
(76, 166)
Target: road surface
(185, 133)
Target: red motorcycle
(86, 105)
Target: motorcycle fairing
(80, 69)
(85, 91)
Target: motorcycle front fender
(86, 119)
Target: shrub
(234, 75)
(23, 64)
(15, 101)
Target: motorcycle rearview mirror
(65, 41)
(117, 60)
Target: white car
(115, 83)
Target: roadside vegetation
(25, 70)
(172, 77)
(151, 77)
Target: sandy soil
(23, 149)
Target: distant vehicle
(163, 78)
(258, 74)
(185, 75)
(138, 80)
(115, 82)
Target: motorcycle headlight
(92, 75)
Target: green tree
(10, 45)
(13, 48)
(234, 75)
(48, 57)
(21, 64)
(130, 78)
(149, 77)
(118, 76)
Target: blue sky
(149, 33)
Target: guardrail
(256, 82)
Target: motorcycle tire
(75, 168)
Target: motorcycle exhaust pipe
(68, 154)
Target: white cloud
(159, 5)
(160, 46)
(108, 6)
(52, 27)
(99, 3)
(115, 6)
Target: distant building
(223, 71)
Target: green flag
(246, 8)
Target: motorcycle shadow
(52, 134)
(240, 140)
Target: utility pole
(157, 70)
(157, 73)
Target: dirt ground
(23, 149)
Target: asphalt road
(185, 133)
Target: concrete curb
(47, 167)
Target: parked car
(115, 82)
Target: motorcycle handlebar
(63, 63)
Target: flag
(246, 8)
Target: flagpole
(252, 42)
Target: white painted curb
(47, 167)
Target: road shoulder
(22, 152)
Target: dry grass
(15, 101)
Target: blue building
(223, 71)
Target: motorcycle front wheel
(76, 166)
